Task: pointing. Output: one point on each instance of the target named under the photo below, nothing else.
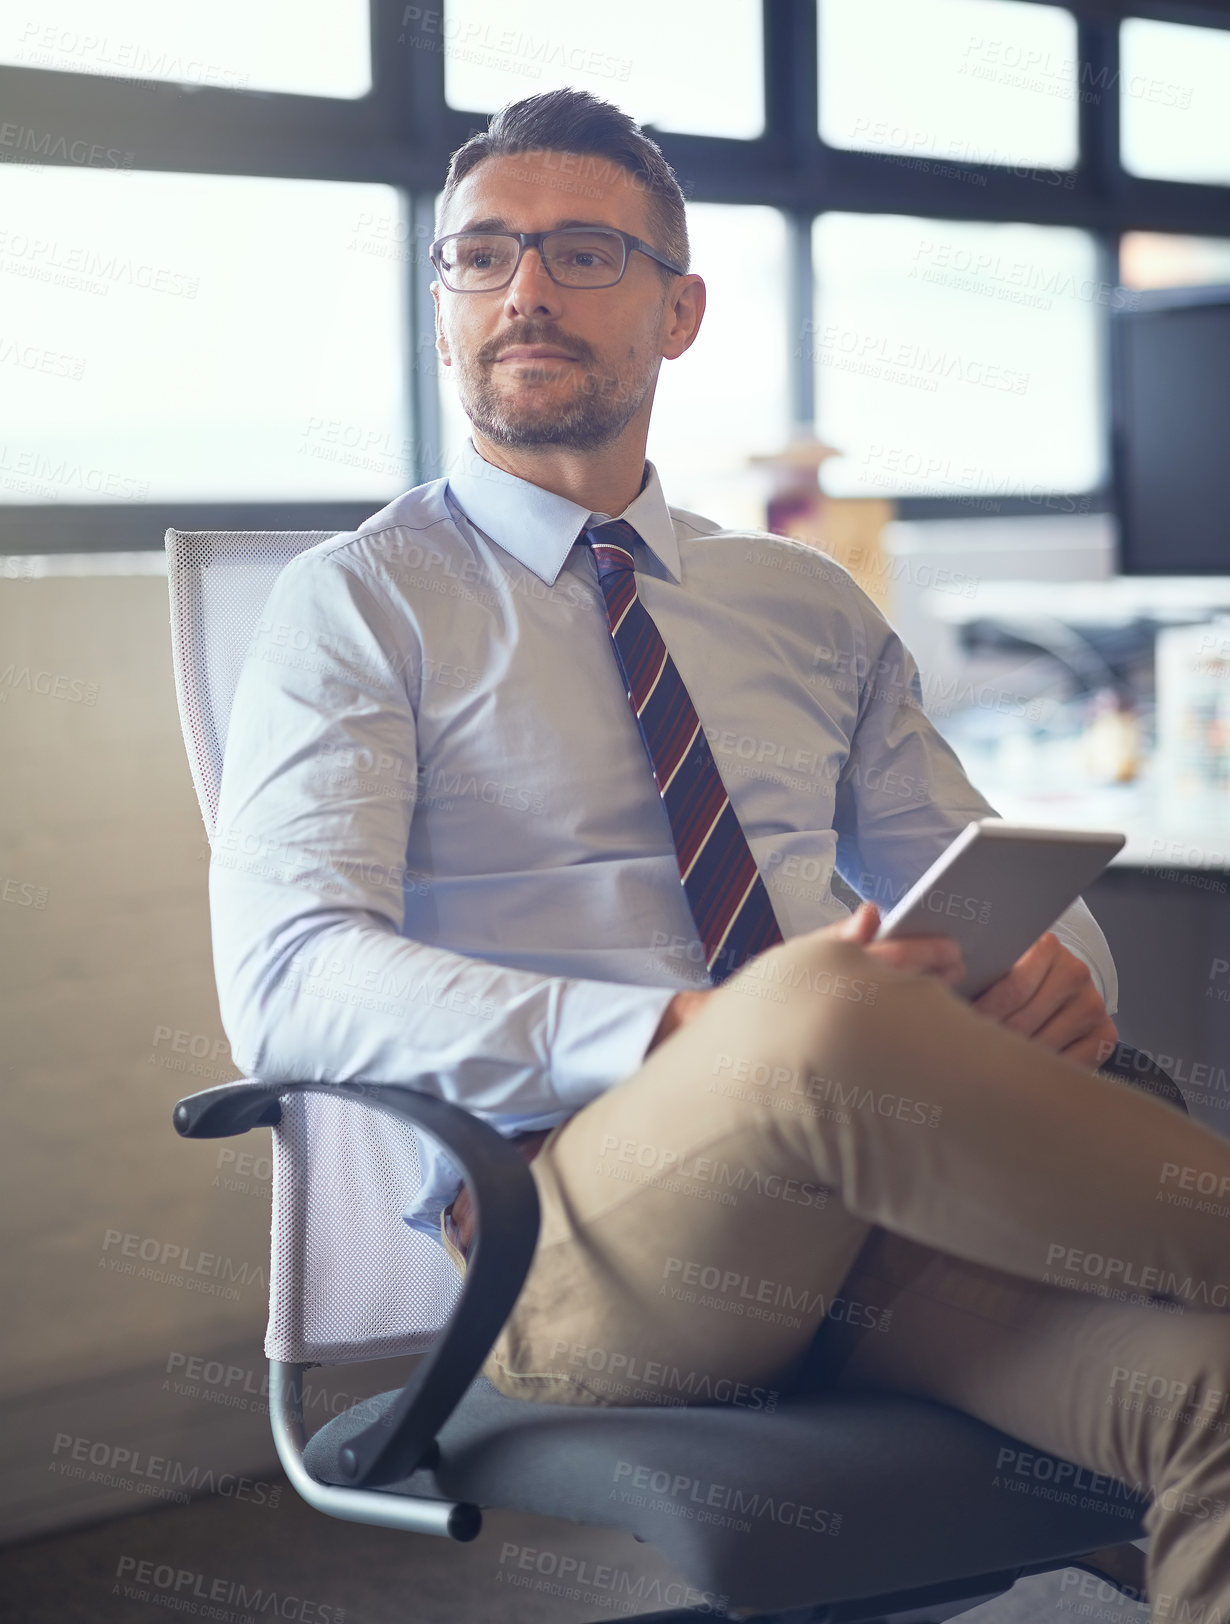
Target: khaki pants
(840, 1175)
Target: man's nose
(531, 291)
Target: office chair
(904, 1516)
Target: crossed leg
(1135, 1394)
(704, 1218)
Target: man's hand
(682, 1007)
(926, 955)
(937, 956)
(1049, 995)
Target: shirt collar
(539, 528)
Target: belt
(459, 1214)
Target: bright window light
(199, 337)
(227, 44)
(692, 65)
(957, 359)
(728, 397)
(942, 82)
(1174, 101)
(1155, 259)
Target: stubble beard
(596, 414)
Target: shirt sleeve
(315, 979)
(903, 796)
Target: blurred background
(968, 331)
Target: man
(521, 779)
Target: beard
(600, 406)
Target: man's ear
(441, 340)
(682, 316)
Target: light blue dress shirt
(441, 857)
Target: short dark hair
(577, 121)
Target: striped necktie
(729, 903)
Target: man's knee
(1185, 1396)
(811, 972)
(1206, 1394)
(836, 989)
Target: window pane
(1153, 259)
(1174, 101)
(944, 81)
(956, 359)
(229, 44)
(728, 396)
(708, 415)
(198, 337)
(694, 65)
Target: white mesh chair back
(348, 1279)
(219, 581)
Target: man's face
(542, 365)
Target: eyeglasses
(573, 256)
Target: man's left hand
(1049, 995)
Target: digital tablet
(997, 888)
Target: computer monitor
(1170, 393)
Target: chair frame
(506, 1209)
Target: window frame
(402, 134)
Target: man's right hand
(937, 956)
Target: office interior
(968, 334)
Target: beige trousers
(838, 1174)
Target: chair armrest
(216, 1113)
(506, 1210)
(1136, 1067)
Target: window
(1152, 259)
(728, 397)
(198, 337)
(263, 354)
(228, 44)
(956, 359)
(692, 65)
(1174, 101)
(935, 81)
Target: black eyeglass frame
(534, 239)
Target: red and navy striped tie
(733, 914)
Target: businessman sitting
(516, 776)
